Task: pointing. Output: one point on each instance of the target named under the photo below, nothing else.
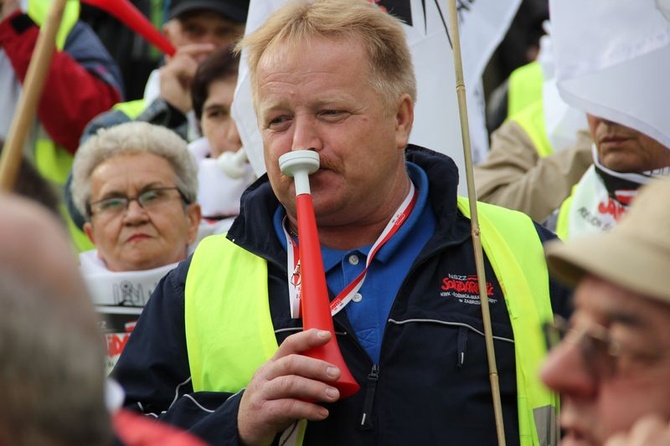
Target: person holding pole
(220, 348)
(82, 81)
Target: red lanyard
(345, 296)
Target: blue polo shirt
(369, 309)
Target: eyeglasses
(604, 356)
(148, 200)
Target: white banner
(483, 24)
(613, 58)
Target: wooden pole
(10, 161)
(474, 221)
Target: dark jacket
(432, 385)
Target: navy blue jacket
(432, 385)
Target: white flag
(613, 59)
(482, 24)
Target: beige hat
(634, 255)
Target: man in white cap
(613, 366)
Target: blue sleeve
(154, 370)
(85, 47)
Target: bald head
(34, 247)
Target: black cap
(235, 10)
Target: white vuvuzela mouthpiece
(232, 163)
(299, 164)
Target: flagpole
(474, 222)
(11, 157)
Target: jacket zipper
(369, 401)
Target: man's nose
(233, 136)
(565, 371)
(305, 133)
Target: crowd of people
(153, 283)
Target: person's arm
(516, 177)
(83, 80)
(169, 104)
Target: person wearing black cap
(196, 28)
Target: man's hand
(176, 75)
(648, 431)
(286, 389)
(7, 8)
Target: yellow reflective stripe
(229, 330)
(525, 87)
(563, 220)
(52, 161)
(132, 109)
(531, 120)
(79, 239)
(38, 10)
(515, 251)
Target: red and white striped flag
(613, 59)
(483, 24)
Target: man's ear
(404, 120)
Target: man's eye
(333, 114)
(278, 122)
(193, 30)
(216, 114)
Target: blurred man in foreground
(613, 366)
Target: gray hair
(383, 36)
(129, 138)
(52, 374)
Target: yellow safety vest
(531, 120)
(563, 219)
(525, 104)
(229, 330)
(524, 87)
(132, 109)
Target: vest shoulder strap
(132, 109)
(38, 10)
(516, 254)
(531, 120)
(218, 361)
(525, 87)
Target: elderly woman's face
(139, 237)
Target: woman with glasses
(136, 184)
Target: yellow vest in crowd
(226, 333)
